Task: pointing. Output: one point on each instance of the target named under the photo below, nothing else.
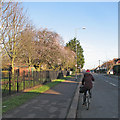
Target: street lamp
(103, 62)
(99, 66)
(76, 47)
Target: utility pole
(106, 67)
(99, 66)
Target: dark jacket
(87, 80)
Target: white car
(111, 71)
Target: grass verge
(18, 99)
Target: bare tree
(51, 51)
(27, 53)
(48, 47)
(13, 21)
(69, 58)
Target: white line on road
(110, 83)
(113, 84)
(106, 81)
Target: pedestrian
(87, 84)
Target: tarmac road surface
(104, 101)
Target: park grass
(44, 88)
(19, 99)
(68, 76)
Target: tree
(80, 57)
(27, 46)
(69, 58)
(13, 21)
(23, 44)
(48, 48)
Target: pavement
(60, 101)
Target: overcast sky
(100, 38)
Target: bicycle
(88, 95)
(87, 102)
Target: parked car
(110, 71)
(116, 69)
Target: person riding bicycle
(87, 83)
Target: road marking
(106, 81)
(113, 84)
(110, 83)
(111, 78)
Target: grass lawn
(16, 100)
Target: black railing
(18, 83)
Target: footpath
(59, 102)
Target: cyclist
(87, 84)
(87, 70)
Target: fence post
(29, 79)
(36, 78)
(56, 74)
(39, 77)
(42, 77)
(33, 78)
(48, 76)
(23, 80)
(10, 82)
(17, 80)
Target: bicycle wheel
(87, 102)
(82, 99)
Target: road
(104, 101)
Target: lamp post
(99, 66)
(76, 48)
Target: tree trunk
(12, 66)
(29, 64)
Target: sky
(100, 38)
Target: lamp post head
(83, 27)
